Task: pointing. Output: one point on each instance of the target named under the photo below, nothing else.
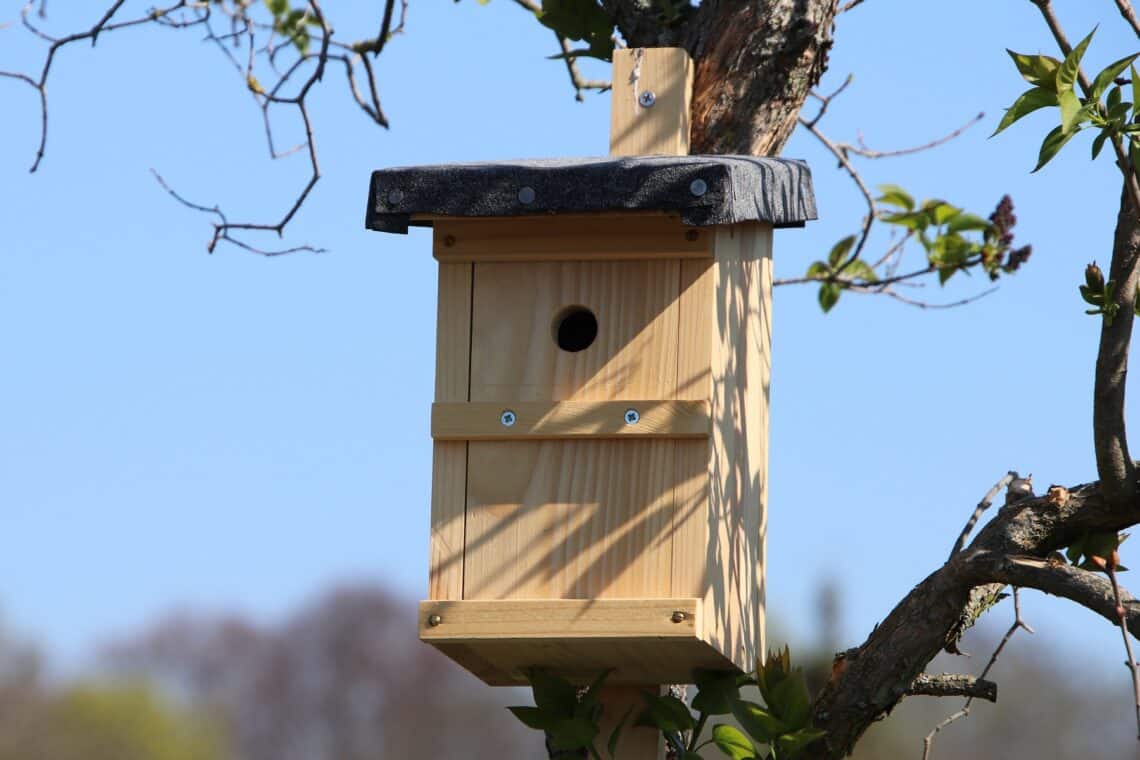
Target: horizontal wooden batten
(559, 619)
(638, 639)
(570, 237)
(486, 421)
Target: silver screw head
(698, 187)
(678, 617)
(434, 620)
(632, 416)
(395, 197)
(647, 98)
(508, 418)
(526, 195)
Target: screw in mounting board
(698, 187)
(646, 99)
(508, 418)
(678, 617)
(632, 416)
(526, 195)
(395, 197)
(434, 620)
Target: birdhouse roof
(703, 190)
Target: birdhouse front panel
(600, 420)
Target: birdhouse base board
(644, 641)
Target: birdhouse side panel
(449, 458)
(741, 364)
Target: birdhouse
(601, 395)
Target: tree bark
(869, 681)
(756, 62)
(1115, 467)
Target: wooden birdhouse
(601, 396)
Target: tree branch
(951, 685)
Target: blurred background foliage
(344, 678)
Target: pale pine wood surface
(662, 128)
(515, 357)
(738, 474)
(570, 237)
(570, 419)
(449, 458)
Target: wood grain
(569, 519)
(570, 237)
(514, 354)
(570, 420)
(449, 459)
(662, 128)
(738, 470)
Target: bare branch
(1129, 15)
(576, 79)
(983, 505)
(953, 685)
(1133, 666)
(860, 148)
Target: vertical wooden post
(649, 115)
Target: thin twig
(860, 148)
(1122, 160)
(983, 505)
(1133, 666)
(953, 685)
(1125, 7)
(1018, 623)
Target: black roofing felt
(704, 190)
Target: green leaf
(790, 700)
(573, 733)
(277, 7)
(534, 717)
(828, 295)
(1040, 70)
(1026, 103)
(859, 270)
(817, 269)
(580, 20)
(791, 745)
(1070, 68)
(615, 736)
(1114, 97)
(1109, 73)
(895, 196)
(1098, 142)
(1135, 84)
(1070, 109)
(1054, 141)
(716, 691)
(760, 724)
(912, 220)
(839, 251)
(552, 694)
(733, 743)
(666, 713)
(940, 212)
(966, 222)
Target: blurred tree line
(345, 679)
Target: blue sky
(235, 432)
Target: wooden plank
(515, 357)
(634, 660)
(570, 419)
(558, 619)
(569, 519)
(570, 237)
(694, 381)
(663, 127)
(449, 459)
(738, 468)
